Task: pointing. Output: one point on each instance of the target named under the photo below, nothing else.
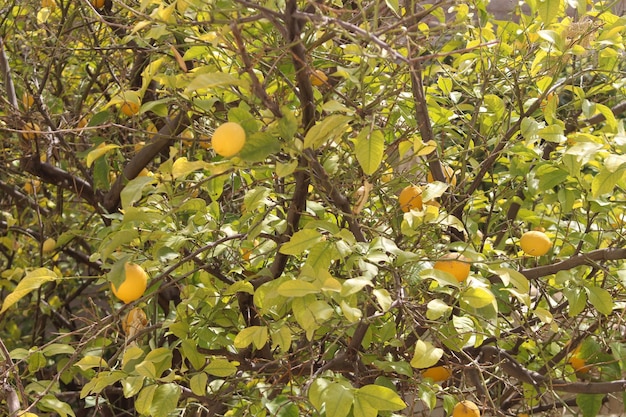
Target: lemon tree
(312, 208)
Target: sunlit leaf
(425, 355)
(369, 147)
(31, 281)
(326, 130)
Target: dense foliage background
(287, 281)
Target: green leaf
(203, 82)
(548, 10)
(529, 128)
(512, 277)
(326, 130)
(144, 399)
(550, 176)
(611, 121)
(31, 281)
(477, 297)
(362, 408)
(281, 338)
(369, 147)
(380, 398)
(311, 313)
(165, 400)
(288, 124)
(383, 298)
(256, 335)
(190, 352)
(589, 404)
(198, 383)
(58, 349)
(51, 403)
(132, 385)
(576, 299)
(301, 241)
(338, 400)
(259, 146)
(437, 309)
(553, 133)
(600, 298)
(297, 288)
(133, 191)
(604, 182)
(393, 5)
(316, 392)
(221, 367)
(425, 355)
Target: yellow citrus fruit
(30, 131)
(437, 373)
(410, 198)
(130, 104)
(48, 245)
(134, 321)
(31, 187)
(535, 243)
(27, 100)
(448, 172)
(579, 364)
(465, 409)
(455, 264)
(318, 78)
(228, 139)
(98, 4)
(145, 173)
(129, 108)
(134, 284)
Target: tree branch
(173, 127)
(608, 254)
(513, 368)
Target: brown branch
(5, 70)
(513, 368)
(173, 127)
(608, 254)
(53, 175)
(249, 68)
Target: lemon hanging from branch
(228, 139)
(134, 284)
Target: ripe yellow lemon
(48, 245)
(535, 243)
(318, 78)
(131, 102)
(228, 139)
(129, 108)
(410, 198)
(579, 364)
(134, 284)
(465, 409)
(455, 264)
(448, 172)
(437, 373)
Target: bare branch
(608, 254)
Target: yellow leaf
(32, 281)
(425, 355)
(100, 151)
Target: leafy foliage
(287, 280)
